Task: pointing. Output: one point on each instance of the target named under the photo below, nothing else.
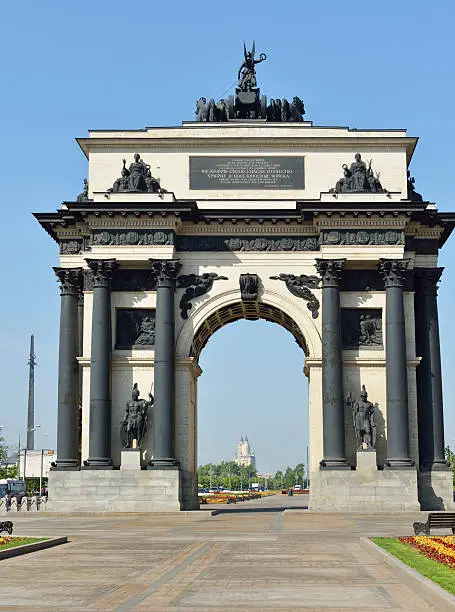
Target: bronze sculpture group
(358, 178)
(136, 179)
(248, 102)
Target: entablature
(307, 226)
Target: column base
(436, 489)
(441, 466)
(399, 464)
(334, 464)
(65, 465)
(98, 463)
(163, 463)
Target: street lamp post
(41, 471)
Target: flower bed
(13, 541)
(441, 549)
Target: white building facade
(245, 455)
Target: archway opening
(253, 386)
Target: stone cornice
(77, 220)
(297, 227)
(418, 230)
(246, 136)
(131, 222)
(361, 221)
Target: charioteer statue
(134, 422)
(247, 72)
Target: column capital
(102, 271)
(165, 271)
(393, 271)
(330, 271)
(427, 280)
(70, 280)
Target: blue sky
(77, 65)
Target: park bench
(436, 520)
(6, 526)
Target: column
(429, 378)
(165, 272)
(68, 431)
(393, 272)
(80, 323)
(332, 365)
(102, 270)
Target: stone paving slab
(266, 555)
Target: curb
(425, 587)
(28, 548)
(195, 515)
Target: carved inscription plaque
(277, 172)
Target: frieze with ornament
(71, 246)
(132, 237)
(362, 237)
(247, 243)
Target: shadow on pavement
(243, 510)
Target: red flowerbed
(441, 549)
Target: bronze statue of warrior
(134, 423)
(364, 420)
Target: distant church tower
(245, 455)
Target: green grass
(441, 574)
(20, 542)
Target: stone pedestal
(436, 490)
(366, 463)
(365, 489)
(130, 459)
(125, 490)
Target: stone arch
(204, 320)
(227, 307)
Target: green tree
(450, 456)
(227, 474)
(278, 480)
(289, 478)
(6, 471)
(299, 473)
(3, 450)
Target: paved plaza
(269, 554)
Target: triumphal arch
(249, 211)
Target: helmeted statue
(134, 423)
(363, 415)
(247, 71)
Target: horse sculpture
(282, 110)
(211, 111)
